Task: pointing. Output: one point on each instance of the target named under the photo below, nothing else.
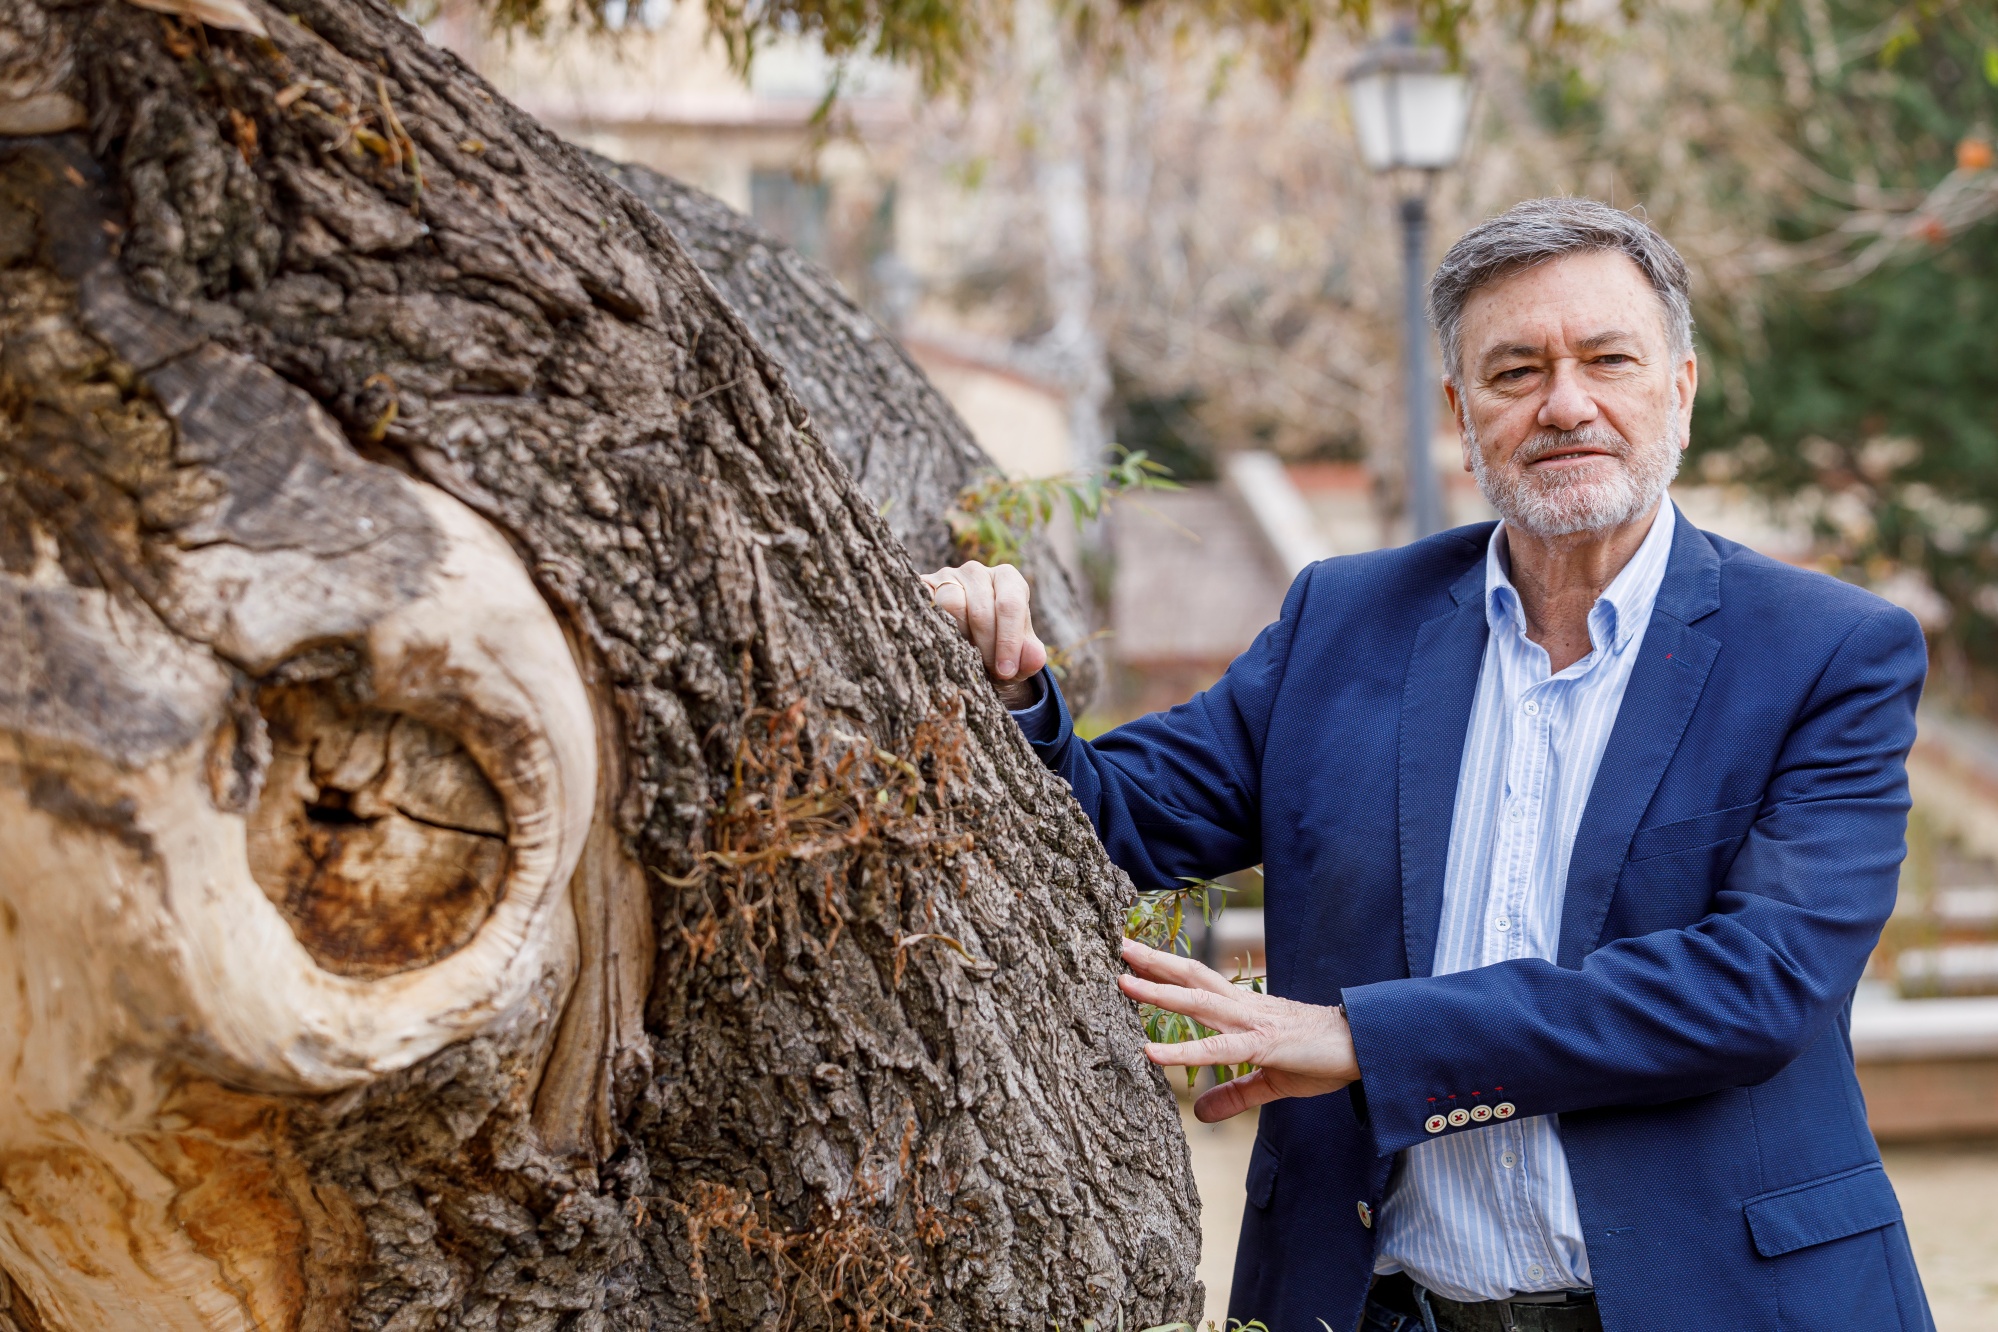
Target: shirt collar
(1624, 606)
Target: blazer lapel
(1436, 704)
(1664, 686)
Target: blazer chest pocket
(1823, 1210)
(1694, 834)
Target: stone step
(1951, 968)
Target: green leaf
(995, 514)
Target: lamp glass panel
(1428, 119)
(1367, 99)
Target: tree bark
(903, 443)
(396, 531)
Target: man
(1577, 831)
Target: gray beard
(1564, 505)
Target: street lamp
(1409, 111)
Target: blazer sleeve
(1177, 794)
(1727, 1001)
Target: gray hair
(1531, 233)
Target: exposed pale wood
(415, 677)
(143, 946)
(601, 1053)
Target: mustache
(1550, 442)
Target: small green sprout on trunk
(995, 514)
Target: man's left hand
(1298, 1049)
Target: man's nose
(1568, 405)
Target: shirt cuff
(1040, 721)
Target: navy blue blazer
(1738, 856)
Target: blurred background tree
(1861, 390)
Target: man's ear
(1457, 410)
(1686, 384)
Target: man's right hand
(990, 607)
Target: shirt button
(1502, 923)
(1517, 812)
(1509, 1160)
(1536, 1271)
(1530, 708)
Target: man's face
(1573, 405)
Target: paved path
(1949, 1194)
(1950, 1197)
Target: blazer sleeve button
(1459, 1117)
(1435, 1123)
(1503, 1110)
(1480, 1113)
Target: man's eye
(1514, 375)
(1613, 358)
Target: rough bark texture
(879, 1075)
(907, 449)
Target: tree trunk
(493, 834)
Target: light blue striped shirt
(1490, 1213)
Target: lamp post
(1409, 112)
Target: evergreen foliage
(1865, 399)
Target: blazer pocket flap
(1262, 1173)
(1821, 1211)
(1721, 825)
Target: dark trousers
(1397, 1304)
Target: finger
(1033, 654)
(1230, 1047)
(1220, 1011)
(1009, 603)
(1172, 969)
(1231, 1098)
(948, 593)
(1193, 979)
(978, 608)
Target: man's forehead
(1583, 301)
